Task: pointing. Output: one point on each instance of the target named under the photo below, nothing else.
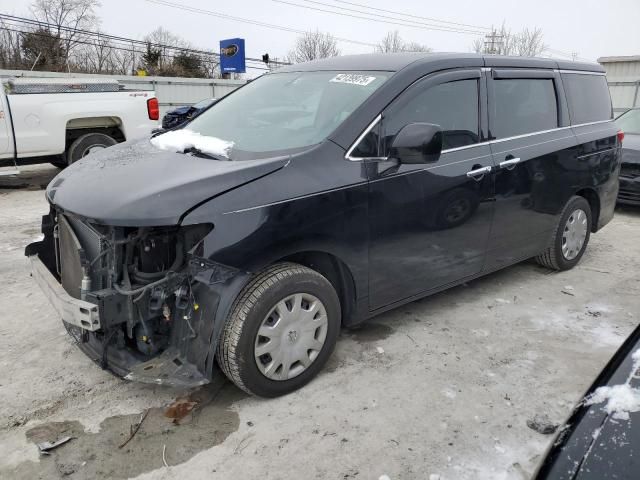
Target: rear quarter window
(588, 98)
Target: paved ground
(443, 386)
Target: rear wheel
(281, 330)
(88, 143)
(571, 236)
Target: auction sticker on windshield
(353, 79)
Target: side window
(369, 146)
(523, 105)
(588, 97)
(452, 105)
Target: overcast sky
(591, 28)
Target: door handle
(478, 173)
(510, 164)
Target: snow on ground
(442, 387)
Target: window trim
(466, 147)
(353, 146)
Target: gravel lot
(443, 386)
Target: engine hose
(135, 291)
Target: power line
(99, 35)
(403, 24)
(431, 26)
(248, 21)
(409, 15)
(119, 47)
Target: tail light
(153, 108)
(620, 136)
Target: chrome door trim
(359, 139)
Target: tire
(255, 307)
(82, 145)
(60, 162)
(554, 257)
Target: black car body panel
(630, 170)
(147, 186)
(382, 230)
(594, 444)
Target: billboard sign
(232, 58)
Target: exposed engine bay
(151, 286)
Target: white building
(623, 75)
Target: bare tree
(313, 45)
(66, 18)
(95, 56)
(529, 43)
(10, 47)
(526, 43)
(393, 42)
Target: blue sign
(232, 55)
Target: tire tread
(226, 353)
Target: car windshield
(283, 111)
(629, 121)
(203, 103)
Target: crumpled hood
(136, 184)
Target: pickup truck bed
(41, 118)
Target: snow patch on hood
(183, 139)
(620, 399)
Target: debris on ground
(180, 408)
(380, 350)
(133, 429)
(542, 424)
(46, 447)
(164, 456)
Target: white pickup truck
(60, 120)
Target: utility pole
(493, 42)
(574, 55)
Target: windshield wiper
(196, 152)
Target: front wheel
(281, 330)
(571, 236)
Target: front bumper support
(72, 310)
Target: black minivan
(316, 197)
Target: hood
(136, 184)
(601, 439)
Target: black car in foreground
(629, 122)
(601, 438)
(316, 197)
(176, 117)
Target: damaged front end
(140, 302)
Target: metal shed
(623, 76)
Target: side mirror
(417, 143)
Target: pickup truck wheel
(84, 145)
(281, 330)
(570, 238)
